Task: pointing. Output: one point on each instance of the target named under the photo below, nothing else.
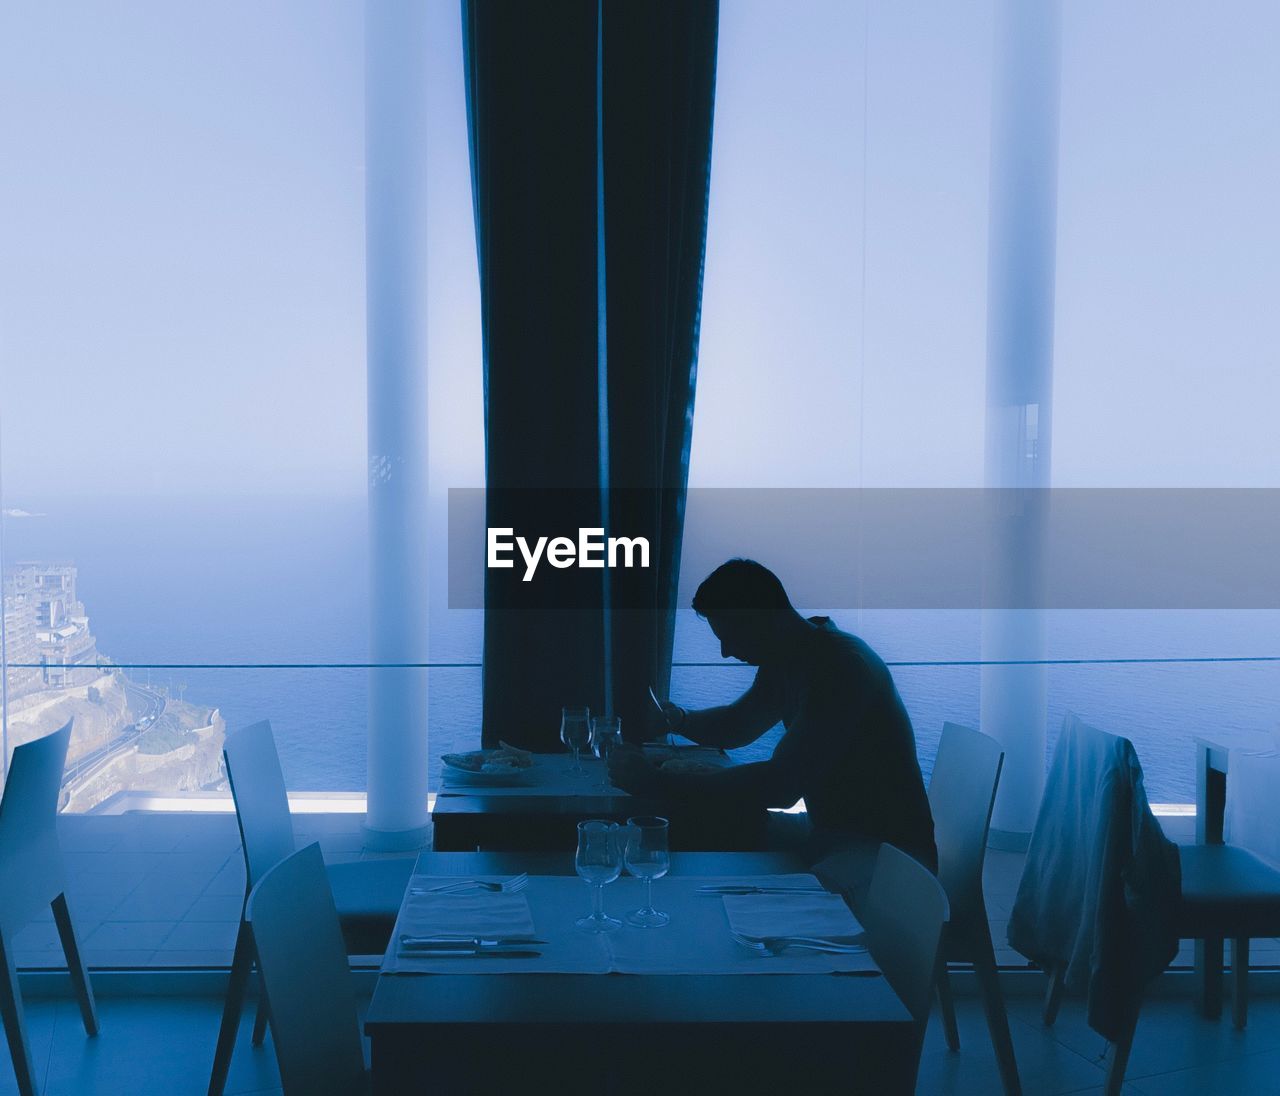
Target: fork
(508, 886)
(776, 945)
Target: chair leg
(1209, 964)
(1053, 997)
(1120, 1055)
(241, 966)
(260, 1021)
(984, 966)
(947, 1005)
(75, 964)
(1240, 982)
(15, 1031)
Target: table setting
(581, 770)
(603, 922)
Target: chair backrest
(962, 793)
(310, 992)
(30, 857)
(262, 806)
(905, 910)
(1101, 884)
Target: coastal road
(147, 705)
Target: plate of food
(507, 766)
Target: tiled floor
(150, 889)
(164, 1047)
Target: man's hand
(631, 771)
(674, 716)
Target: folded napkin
(470, 914)
(818, 915)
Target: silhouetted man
(848, 750)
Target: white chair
(903, 914)
(1077, 872)
(962, 792)
(367, 893)
(303, 961)
(32, 876)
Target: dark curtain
(532, 108)
(531, 82)
(659, 61)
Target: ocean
(264, 580)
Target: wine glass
(575, 732)
(648, 858)
(599, 861)
(606, 733)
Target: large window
(843, 332)
(844, 317)
(183, 355)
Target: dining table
(540, 810)
(684, 1007)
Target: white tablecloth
(1253, 799)
(697, 940)
(552, 774)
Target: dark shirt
(848, 751)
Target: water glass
(647, 857)
(606, 733)
(575, 732)
(598, 861)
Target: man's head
(747, 609)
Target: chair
(1226, 893)
(302, 958)
(33, 876)
(962, 793)
(367, 893)
(903, 915)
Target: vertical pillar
(396, 319)
(1020, 300)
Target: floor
(162, 890)
(164, 1046)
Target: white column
(396, 301)
(1022, 242)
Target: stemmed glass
(599, 861)
(648, 858)
(575, 732)
(606, 733)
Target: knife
(471, 953)
(463, 943)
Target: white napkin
(1252, 817)
(820, 915)
(484, 913)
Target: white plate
(466, 778)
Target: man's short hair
(740, 584)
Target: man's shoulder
(843, 650)
(829, 636)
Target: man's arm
(758, 785)
(773, 783)
(740, 723)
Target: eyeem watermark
(588, 551)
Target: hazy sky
(181, 247)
